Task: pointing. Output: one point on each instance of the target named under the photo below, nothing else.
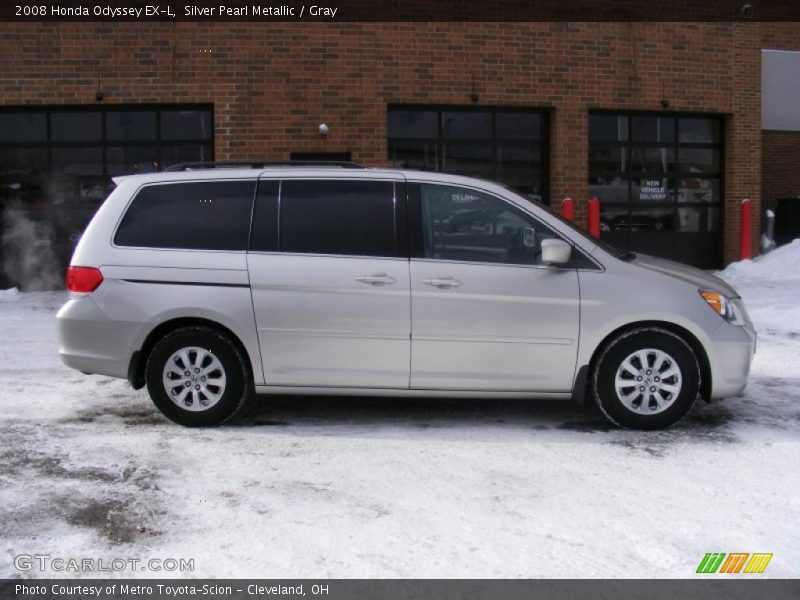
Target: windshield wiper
(628, 256)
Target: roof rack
(260, 164)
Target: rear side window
(354, 218)
(211, 215)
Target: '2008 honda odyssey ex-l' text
(210, 284)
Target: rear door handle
(442, 282)
(377, 279)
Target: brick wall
(781, 158)
(272, 84)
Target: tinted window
(608, 128)
(413, 124)
(466, 125)
(264, 233)
(699, 130)
(133, 125)
(121, 160)
(338, 217)
(23, 127)
(647, 179)
(77, 161)
(653, 129)
(510, 147)
(203, 216)
(522, 126)
(466, 225)
(76, 126)
(171, 155)
(186, 125)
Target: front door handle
(377, 279)
(442, 283)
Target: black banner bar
(398, 10)
(708, 588)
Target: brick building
(661, 121)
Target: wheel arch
(682, 332)
(136, 368)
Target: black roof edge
(260, 164)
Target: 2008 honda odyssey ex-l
(209, 285)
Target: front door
(330, 286)
(487, 315)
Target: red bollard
(746, 231)
(594, 217)
(568, 210)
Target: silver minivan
(210, 285)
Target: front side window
(466, 225)
(209, 215)
(355, 218)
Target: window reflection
(654, 160)
(613, 218)
(605, 158)
(698, 219)
(609, 189)
(186, 125)
(76, 127)
(695, 189)
(664, 174)
(413, 155)
(23, 127)
(699, 130)
(127, 160)
(608, 128)
(467, 159)
(131, 125)
(699, 160)
(653, 129)
(466, 125)
(413, 123)
(508, 146)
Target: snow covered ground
(400, 488)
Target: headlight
(725, 307)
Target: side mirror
(555, 252)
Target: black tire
(677, 405)
(238, 389)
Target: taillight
(83, 279)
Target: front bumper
(733, 350)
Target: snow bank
(9, 294)
(769, 287)
(782, 264)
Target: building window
(56, 163)
(506, 145)
(659, 181)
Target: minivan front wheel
(197, 376)
(647, 378)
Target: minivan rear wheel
(646, 378)
(198, 377)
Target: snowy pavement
(346, 487)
